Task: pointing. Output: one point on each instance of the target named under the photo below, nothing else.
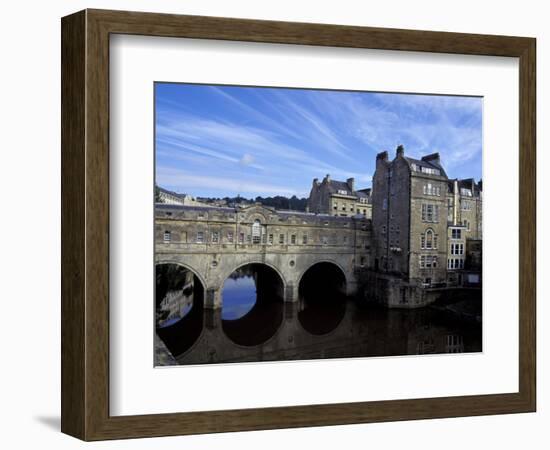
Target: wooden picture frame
(85, 224)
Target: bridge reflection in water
(255, 324)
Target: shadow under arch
(187, 290)
(322, 294)
(252, 324)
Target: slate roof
(432, 164)
(335, 186)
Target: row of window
(256, 238)
(428, 261)
(466, 205)
(392, 228)
(431, 189)
(455, 263)
(457, 249)
(351, 208)
(424, 169)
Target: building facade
(213, 242)
(415, 231)
(339, 198)
(422, 223)
(173, 198)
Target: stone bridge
(213, 242)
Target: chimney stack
(400, 151)
(351, 184)
(382, 156)
(327, 178)
(432, 157)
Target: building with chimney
(423, 225)
(339, 198)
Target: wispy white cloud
(184, 181)
(263, 141)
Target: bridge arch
(183, 328)
(185, 266)
(252, 312)
(254, 261)
(324, 261)
(322, 290)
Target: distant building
(339, 198)
(173, 198)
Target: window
(335, 207)
(324, 240)
(456, 233)
(383, 229)
(256, 232)
(429, 170)
(431, 189)
(281, 239)
(270, 239)
(200, 237)
(304, 239)
(248, 238)
(167, 236)
(466, 205)
(455, 263)
(345, 239)
(457, 249)
(342, 192)
(430, 212)
(428, 261)
(241, 238)
(466, 223)
(428, 240)
(385, 204)
(230, 236)
(466, 192)
(215, 237)
(293, 239)
(363, 259)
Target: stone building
(421, 222)
(173, 198)
(215, 241)
(339, 198)
(414, 232)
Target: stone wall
(214, 242)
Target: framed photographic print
(270, 224)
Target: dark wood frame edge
(85, 224)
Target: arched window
(428, 240)
(256, 232)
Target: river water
(254, 324)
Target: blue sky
(222, 141)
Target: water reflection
(179, 298)
(252, 300)
(238, 296)
(256, 325)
